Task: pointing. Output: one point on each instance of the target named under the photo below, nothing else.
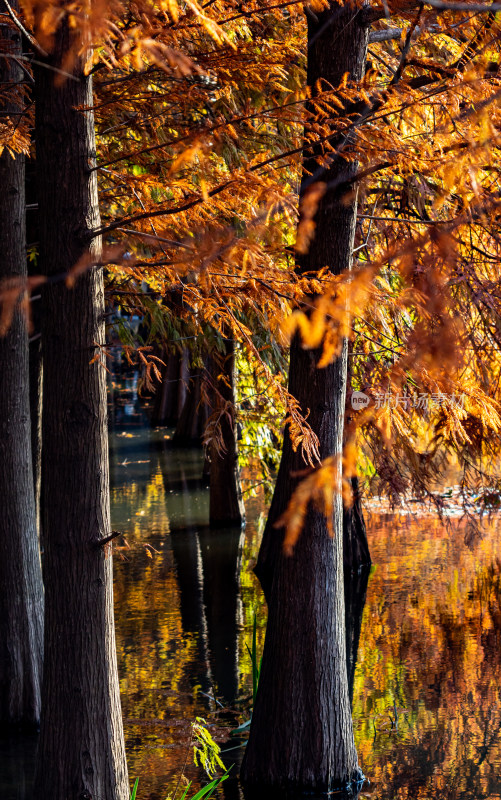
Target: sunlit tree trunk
(21, 590)
(301, 734)
(81, 754)
(225, 495)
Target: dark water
(426, 674)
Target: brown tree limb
(108, 539)
(17, 22)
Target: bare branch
(385, 36)
(17, 22)
(155, 237)
(108, 539)
(406, 48)
(370, 15)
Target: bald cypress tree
(81, 751)
(301, 735)
(21, 590)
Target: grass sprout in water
(205, 754)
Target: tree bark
(356, 553)
(190, 428)
(21, 589)
(171, 394)
(226, 506)
(81, 754)
(35, 345)
(301, 735)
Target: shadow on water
(185, 544)
(221, 559)
(355, 593)
(207, 564)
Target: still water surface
(427, 677)
(425, 672)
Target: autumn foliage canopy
(203, 116)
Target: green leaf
(134, 790)
(205, 791)
(242, 727)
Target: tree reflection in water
(424, 668)
(423, 656)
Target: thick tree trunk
(171, 394)
(190, 428)
(21, 590)
(226, 506)
(81, 753)
(301, 734)
(35, 348)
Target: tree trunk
(35, 348)
(301, 735)
(81, 754)
(190, 428)
(171, 394)
(356, 553)
(226, 506)
(21, 589)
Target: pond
(424, 652)
(426, 686)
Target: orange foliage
(202, 116)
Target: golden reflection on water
(427, 708)
(171, 651)
(427, 705)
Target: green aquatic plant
(205, 791)
(205, 754)
(205, 749)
